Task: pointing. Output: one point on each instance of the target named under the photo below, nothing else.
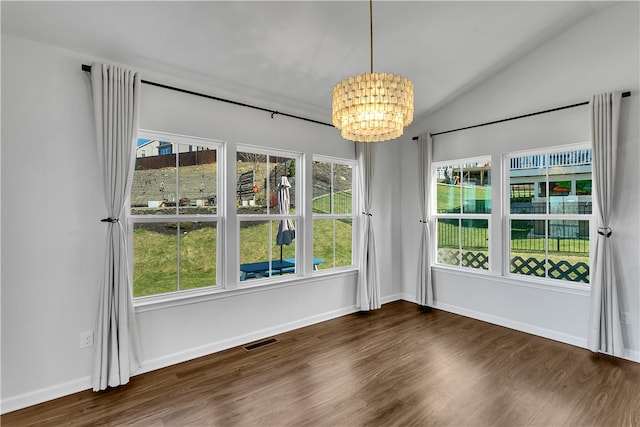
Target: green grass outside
(323, 242)
(448, 198)
(341, 203)
(155, 251)
(155, 259)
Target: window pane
(344, 242)
(153, 189)
(583, 193)
(283, 243)
(448, 189)
(322, 187)
(332, 243)
(155, 258)
(583, 187)
(255, 245)
(528, 184)
(251, 191)
(254, 248)
(528, 247)
(342, 186)
(198, 243)
(567, 188)
(324, 242)
(521, 196)
(569, 250)
(196, 180)
(258, 179)
(449, 241)
(282, 170)
(332, 188)
(476, 187)
(475, 243)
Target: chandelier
(372, 107)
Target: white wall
(598, 54)
(53, 242)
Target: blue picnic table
(253, 270)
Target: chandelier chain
(371, 32)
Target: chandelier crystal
(372, 107)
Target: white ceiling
(291, 54)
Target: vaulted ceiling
(290, 54)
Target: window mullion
(546, 249)
(460, 240)
(178, 243)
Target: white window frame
(508, 216)
(333, 216)
(435, 216)
(296, 216)
(218, 218)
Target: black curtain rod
(415, 138)
(229, 101)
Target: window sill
(513, 280)
(159, 302)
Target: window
(333, 213)
(266, 194)
(462, 211)
(175, 216)
(548, 213)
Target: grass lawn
(341, 203)
(449, 201)
(155, 264)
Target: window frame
(296, 217)
(218, 218)
(461, 216)
(353, 216)
(507, 217)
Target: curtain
(368, 297)
(116, 102)
(424, 293)
(605, 332)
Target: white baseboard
(183, 356)
(631, 355)
(391, 298)
(409, 298)
(513, 324)
(81, 384)
(49, 393)
(44, 394)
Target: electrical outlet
(86, 339)
(624, 317)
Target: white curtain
(605, 332)
(116, 102)
(368, 297)
(424, 293)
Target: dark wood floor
(395, 366)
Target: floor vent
(259, 344)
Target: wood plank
(394, 366)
